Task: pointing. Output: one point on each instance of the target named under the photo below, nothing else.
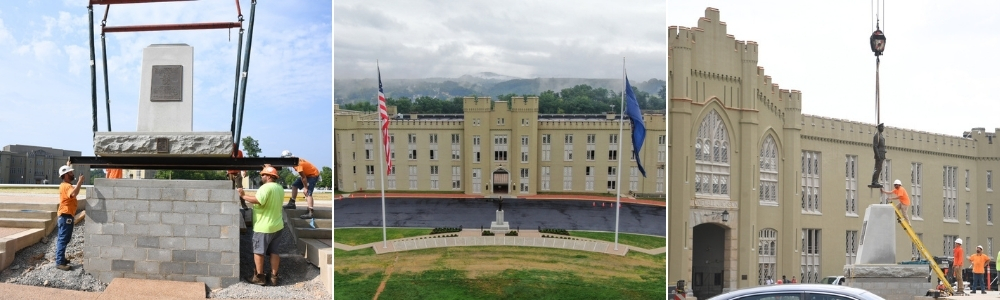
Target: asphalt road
(473, 213)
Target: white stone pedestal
(500, 226)
(878, 236)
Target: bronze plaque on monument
(166, 83)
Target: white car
(834, 280)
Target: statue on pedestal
(878, 145)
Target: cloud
(77, 58)
(5, 37)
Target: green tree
(325, 177)
(286, 178)
(361, 106)
(403, 104)
(94, 174)
(251, 148)
(549, 103)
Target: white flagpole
(381, 162)
(618, 182)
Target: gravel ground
(35, 265)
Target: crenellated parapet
(476, 104)
(896, 139)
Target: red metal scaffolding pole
(106, 2)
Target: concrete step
(318, 212)
(304, 223)
(25, 223)
(35, 206)
(27, 214)
(319, 252)
(10, 244)
(309, 233)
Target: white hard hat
(286, 153)
(897, 182)
(64, 169)
(958, 241)
(980, 246)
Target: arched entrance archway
(501, 181)
(708, 266)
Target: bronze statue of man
(878, 144)
(500, 205)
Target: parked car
(834, 280)
(799, 291)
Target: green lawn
(501, 273)
(360, 236)
(641, 241)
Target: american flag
(384, 118)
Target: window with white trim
(768, 172)
(851, 171)
(661, 151)
(524, 148)
(612, 178)
(811, 195)
(567, 178)
(589, 178)
(852, 246)
(475, 149)
(523, 182)
(456, 177)
(712, 157)
(500, 147)
(968, 208)
(989, 180)
(633, 178)
(914, 252)
(989, 214)
(767, 259)
(370, 177)
(950, 203)
(545, 178)
(916, 190)
(949, 244)
(477, 180)
(660, 178)
(568, 148)
(810, 268)
(391, 179)
(413, 177)
(456, 147)
(546, 147)
(966, 179)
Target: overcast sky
(45, 75)
(526, 39)
(938, 72)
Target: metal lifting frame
(239, 91)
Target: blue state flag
(638, 126)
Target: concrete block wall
(183, 230)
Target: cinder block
(209, 207)
(106, 277)
(231, 208)
(184, 230)
(137, 254)
(161, 206)
(122, 265)
(185, 207)
(124, 217)
(156, 276)
(209, 257)
(172, 243)
(173, 194)
(196, 219)
(181, 277)
(125, 193)
(172, 218)
(211, 282)
(99, 240)
(191, 268)
(230, 232)
(112, 228)
(171, 267)
(185, 256)
(161, 230)
(195, 243)
(111, 252)
(222, 195)
(93, 229)
(228, 281)
(147, 267)
(159, 255)
(149, 194)
(123, 241)
(220, 270)
(147, 217)
(91, 251)
(137, 205)
(230, 258)
(221, 244)
(197, 195)
(206, 231)
(224, 220)
(137, 229)
(96, 264)
(148, 242)
(113, 205)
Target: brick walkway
(530, 197)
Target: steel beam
(182, 163)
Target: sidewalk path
(473, 237)
(528, 197)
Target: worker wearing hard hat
(979, 261)
(898, 192)
(67, 212)
(308, 177)
(959, 260)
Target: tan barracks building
(759, 190)
(498, 148)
